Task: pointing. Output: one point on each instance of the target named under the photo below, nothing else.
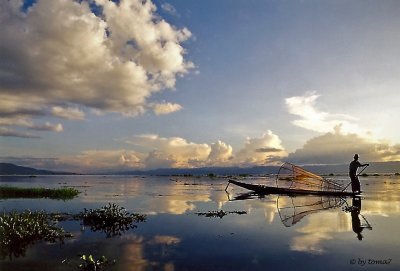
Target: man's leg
(355, 184)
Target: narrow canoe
(263, 189)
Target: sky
(121, 85)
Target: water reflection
(316, 229)
(134, 249)
(292, 209)
(273, 230)
(358, 221)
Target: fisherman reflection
(355, 219)
(357, 226)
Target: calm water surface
(275, 233)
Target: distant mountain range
(11, 169)
(378, 167)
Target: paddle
(356, 176)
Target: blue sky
(241, 83)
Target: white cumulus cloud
(220, 154)
(159, 159)
(71, 113)
(179, 152)
(101, 160)
(338, 147)
(165, 108)
(151, 151)
(313, 119)
(59, 55)
(260, 151)
(172, 151)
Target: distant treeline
(378, 167)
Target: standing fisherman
(354, 165)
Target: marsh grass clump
(18, 230)
(18, 192)
(111, 219)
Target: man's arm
(361, 165)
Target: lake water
(268, 233)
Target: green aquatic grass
(19, 230)
(7, 192)
(111, 219)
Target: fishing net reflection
(292, 209)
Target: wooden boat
(263, 189)
(294, 180)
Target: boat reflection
(293, 209)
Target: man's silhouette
(354, 165)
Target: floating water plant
(91, 264)
(111, 219)
(18, 230)
(220, 213)
(18, 192)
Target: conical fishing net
(294, 177)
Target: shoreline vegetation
(9, 192)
